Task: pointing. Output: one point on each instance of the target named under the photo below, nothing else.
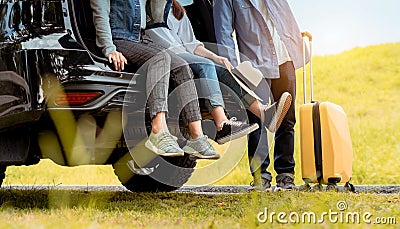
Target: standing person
(119, 25)
(200, 14)
(266, 33)
(180, 39)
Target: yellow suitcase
(326, 148)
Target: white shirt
(179, 37)
(281, 52)
(143, 14)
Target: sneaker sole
(238, 134)
(198, 155)
(155, 150)
(283, 106)
(261, 190)
(278, 189)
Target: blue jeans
(208, 85)
(284, 136)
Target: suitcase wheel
(348, 187)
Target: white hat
(185, 2)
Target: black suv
(59, 99)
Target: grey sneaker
(164, 144)
(262, 183)
(285, 181)
(201, 148)
(274, 113)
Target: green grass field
(97, 209)
(364, 81)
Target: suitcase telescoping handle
(309, 36)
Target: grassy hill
(364, 81)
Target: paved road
(213, 190)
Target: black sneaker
(285, 181)
(274, 113)
(232, 129)
(262, 183)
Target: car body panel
(40, 42)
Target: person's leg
(284, 137)
(156, 66)
(271, 115)
(182, 77)
(257, 140)
(258, 148)
(258, 155)
(208, 87)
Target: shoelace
(168, 138)
(232, 122)
(205, 143)
(202, 145)
(266, 107)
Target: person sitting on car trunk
(179, 38)
(119, 25)
(207, 83)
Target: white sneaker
(274, 113)
(164, 144)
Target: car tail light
(76, 98)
